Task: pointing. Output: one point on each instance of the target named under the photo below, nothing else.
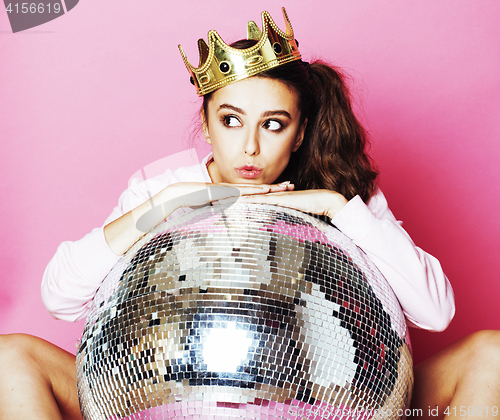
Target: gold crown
(221, 64)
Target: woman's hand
(320, 202)
(197, 194)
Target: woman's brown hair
(333, 153)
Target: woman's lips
(249, 171)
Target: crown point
(253, 31)
(203, 51)
(289, 29)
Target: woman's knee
(19, 350)
(482, 348)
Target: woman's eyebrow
(232, 108)
(277, 112)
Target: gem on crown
(221, 64)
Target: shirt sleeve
(76, 271)
(424, 292)
(74, 274)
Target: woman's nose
(252, 143)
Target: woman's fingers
(220, 195)
(277, 198)
(199, 194)
(272, 188)
(226, 201)
(221, 191)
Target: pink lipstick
(248, 171)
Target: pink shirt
(425, 294)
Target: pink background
(94, 96)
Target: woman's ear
(300, 136)
(204, 125)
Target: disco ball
(250, 312)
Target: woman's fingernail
(284, 183)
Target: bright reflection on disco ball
(248, 311)
(226, 348)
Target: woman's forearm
(123, 232)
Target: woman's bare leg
(37, 380)
(464, 377)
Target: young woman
(285, 135)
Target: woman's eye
(273, 125)
(231, 121)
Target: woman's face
(253, 126)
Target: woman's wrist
(336, 203)
(122, 233)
